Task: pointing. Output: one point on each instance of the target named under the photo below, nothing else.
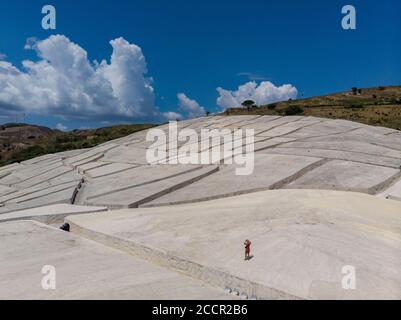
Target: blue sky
(195, 47)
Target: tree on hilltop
(248, 104)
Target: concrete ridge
(15, 210)
(334, 149)
(75, 193)
(9, 167)
(144, 183)
(279, 125)
(384, 146)
(390, 133)
(239, 121)
(161, 193)
(90, 159)
(277, 185)
(83, 172)
(37, 197)
(3, 175)
(386, 184)
(68, 169)
(38, 174)
(49, 162)
(28, 192)
(45, 158)
(48, 219)
(174, 188)
(272, 146)
(277, 151)
(84, 155)
(298, 129)
(247, 122)
(212, 276)
(208, 198)
(111, 173)
(326, 135)
(13, 189)
(391, 197)
(282, 183)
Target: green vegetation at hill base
(66, 141)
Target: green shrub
(28, 153)
(293, 110)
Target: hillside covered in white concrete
(323, 194)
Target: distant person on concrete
(247, 245)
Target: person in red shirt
(247, 245)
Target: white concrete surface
(135, 196)
(359, 158)
(130, 178)
(271, 172)
(393, 192)
(301, 240)
(51, 214)
(347, 176)
(84, 269)
(108, 169)
(290, 153)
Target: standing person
(247, 245)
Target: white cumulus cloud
(63, 82)
(172, 116)
(190, 108)
(61, 127)
(264, 93)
